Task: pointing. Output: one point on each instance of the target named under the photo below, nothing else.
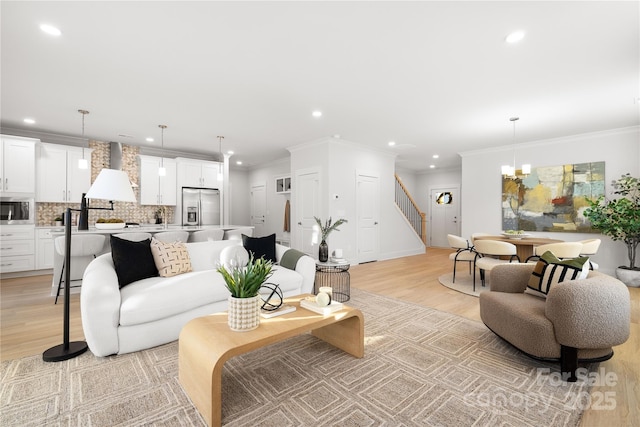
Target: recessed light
(50, 29)
(317, 113)
(238, 162)
(515, 37)
(149, 139)
(29, 121)
(432, 166)
(391, 143)
(436, 156)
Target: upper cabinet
(156, 189)
(60, 180)
(198, 173)
(283, 184)
(17, 165)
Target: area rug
(463, 283)
(422, 367)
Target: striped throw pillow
(550, 270)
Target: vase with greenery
(620, 219)
(244, 282)
(325, 230)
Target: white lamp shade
(162, 171)
(83, 164)
(113, 185)
(526, 169)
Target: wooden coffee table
(206, 343)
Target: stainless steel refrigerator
(200, 206)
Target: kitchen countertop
(150, 228)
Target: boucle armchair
(579, 321)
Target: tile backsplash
(130, 212)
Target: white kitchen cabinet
(156, 189)
(17, 248)
(17, 165)
(59, 178)
(44, 247)
(283, 184)
(198, 173)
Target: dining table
(524, 245)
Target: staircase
(409, 208)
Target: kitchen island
(79, 264)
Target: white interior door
(445, 215)
(307, 206)
(258, 208)
(368, 212)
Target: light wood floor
(31, 323)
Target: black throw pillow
(133, 260)
(261, 246)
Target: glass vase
(323, 252)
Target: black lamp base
(62, 352)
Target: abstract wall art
(552, 198)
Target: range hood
(115, 155)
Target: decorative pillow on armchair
(550, 270)
(170, 259)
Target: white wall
(274, 221)
(482, 186)
(339, 162)
(239, 211)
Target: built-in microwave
(17, 210)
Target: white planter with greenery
(244, 282)
(620, 220)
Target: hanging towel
(287, 216)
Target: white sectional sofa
(152, 311)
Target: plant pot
(629, 277)
(244, 313)
(58, 223)
(323, 252)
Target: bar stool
(172, 236)
(81, 245)
(206, 235)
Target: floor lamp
(112, 185)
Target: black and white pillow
(550, 270)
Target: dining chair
(561, 250)
(589, 248)
(490, 253)
(464, 252)
(206, 235)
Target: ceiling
(435, 77)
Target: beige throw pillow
(171, 259)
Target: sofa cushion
(550, 270)
(206, 255)
(261, 246)
(133, 261)
(171, 259)
(157, 298)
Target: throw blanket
(290, 258)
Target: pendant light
(510, 170)
(83, 163)
(220, 174)
(162, 171)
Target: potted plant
(620, 219)
(58, 221)
(244, 282)
(325, 230)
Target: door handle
(299, 223)
(375, 223)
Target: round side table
(335, 275)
